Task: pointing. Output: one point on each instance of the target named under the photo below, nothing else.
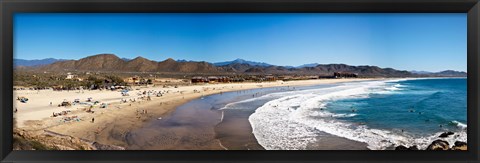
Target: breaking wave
(295, 120)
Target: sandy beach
(112, 124)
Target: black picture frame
(9, 7)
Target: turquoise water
(382, 113)
(416, 106)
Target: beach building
(237, 79)
(285, 77)
(19, 88)
(70, 76)
(312, 77)
(213, 79)
(270, 78)
(199, 79)
(326, 77)
(224, 79)
(252, 78)
(132, 80)
(345, 75)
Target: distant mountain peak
(447, 73)
(140, 59)
(169, 60)
(308, 65)
(453, 71)
(420, 72)
(184, 60)
(35, 62)
(104, 55)
(242, 61)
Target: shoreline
(113, 123)
(236, 131)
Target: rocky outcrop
(403, 148)
(459, 146)
(438, 145)
(446, 134)
(413, 148)
(47, 140)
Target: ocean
(383, 113)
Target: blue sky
(430, 42)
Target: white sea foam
(399, 85)
(343, 115)
(277, 95)
(460, 125)
(392, 88)
(292, 121)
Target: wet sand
(201, 124)
(191, 126)
(187, 128)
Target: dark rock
(413, 148)
(401, 148)
(460, 143)
(438, 145)
(446, 134)
(404, 148)
(459, 146)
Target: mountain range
(241, 61)
(35, 62)
(110, 62)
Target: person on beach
(93, 120)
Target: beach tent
(125, 92)
(23, 100)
